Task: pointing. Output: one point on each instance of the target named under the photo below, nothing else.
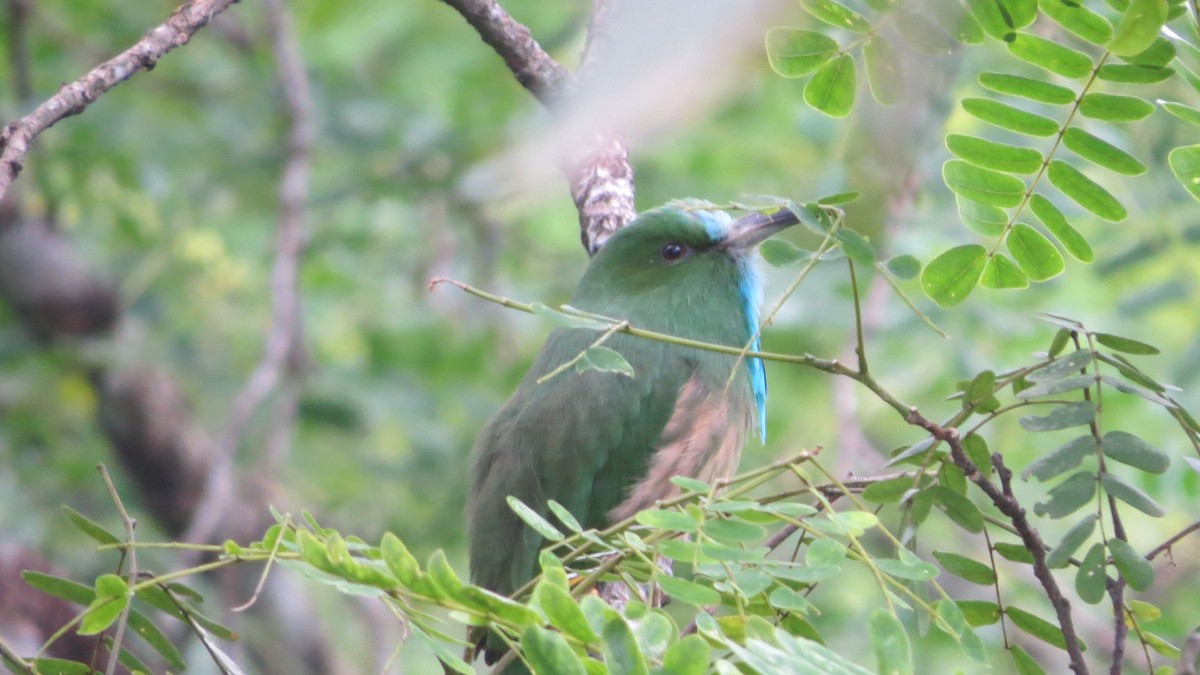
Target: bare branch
(282, 339)
(75, 97)
(1166, 545)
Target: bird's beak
(748, 231)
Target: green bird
(603, 444)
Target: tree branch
(75, 97)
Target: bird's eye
(673, 251)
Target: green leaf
(1007, 117)
(1078, 19)
(1070, 364)
(604, 360)
(1126, 345)
(1138, 571)
(1131, 495)
(1068, 496)
(1064, 416)
(1102, 152)
(780, 253)
(66, 589)
(949, 278)
(960, 509)
(1063, 459)
(997, 22)
(977, 450)
(1114, 108)
(1036, 255)
(688, 591)
(1019, 13)
(90, 527)
(966, 568)
(533, 519)
(690, 656)
(925, 35)
(1074, 538)
(1128, 449)
(1014, 552)
(1050, 56)
(1021, 659)
(1062, 337)
(624, 655)
(917, 570)
(983, 185)
(1058, 386)
(442, 574)
(1027, 87)
(992, 155)
(831, 89)
(1085, 192)
(1183, 112)
(399, 560)
(564, 613)
(567, 320)
(1139, 27)
(796, 53)
(856, 246)
(988, 220)
(1133, 74)
(1185, 164)
(979, 612)
(1160, 52)
(904, 266)
(825, 552)
(664, 519)
(950, 618)
(1036, 626)
(686, 483)
(836, 15)
(549, 653)
(1090, 580)
(1001, 273)
(730, 530)
(883, 71)
(564, 516)
(112, 597)
(888, 491)
(893, 654)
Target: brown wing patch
(702, 439)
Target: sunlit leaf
(985, 219)
(1139, 27)
(1185, 164)
(1183, 112)
(690, 656)
(533, 519)
(548, 652)
(1037, 256)
(1027, 87)
(983, 185)
(1054, 221)
(1002, 273)
(1102, 152)
(992, 18)
(796, 53)
(1133, 74)
(1085, 191)
(1078, 19)
(1008, 117)
(883, 70)
(831, 89)
(1160, 52)
(837, 15)
(949, 278)
(993, 155)
(1115, 108)
(1050, 56)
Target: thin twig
(75, 97)
(1166, 545)
(131, 555)
(14, 660)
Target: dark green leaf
(1036, 626)
(1084, 191)
(980, 388)
(883, 71)
(977, 450)
(1021, 659)
(90, 527)
(1068, 496)
(1008, 117)
(904, 266)
(1102, 152)
(979, 612)
(1183, 112)
(564, 613)
(1027, 87)
(688, 591)
(888, 491)
(1078, 19)
(1036, 255)
(1074, 538)
(604, 360)
(1066, 457)
(960, 509)
(836, 15)
(1133, 74)
(1129, 449)
(1062, 337)
(1126, 345)
(949, 278)
(1131, 495)
(992, 155)
(1185, 164)
(856, 246)
(966, 568)
(564, 516)
(1114, 108)
(1139, 27)
(1058, 386)
(549, 653)
(795, 53)
(831, 89)
(988, 220)
(533, 519)
(1090, 580)
(624, 655)
(51, 666)
(893, 654)
(1136, 570)
(983, 185)
(1014, 552)
(1064, 416)
(1051, 56)
(66, 589)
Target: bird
(605, 445)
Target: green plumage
(588, 439)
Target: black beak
(748, 231)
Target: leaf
(992, 18)
(1008, 117)
(1114, 108)
(979, 612)
(917, 570)
(1133, 74)
(925, 35)
(399, 560)
(664, 519)
(549, 653)
(1036, 626)
(966, 568)
(1050, 56)
(604, 360)
(836, 15)
(90, 527)
(1183, 112)
(1014, 552)
(688, 591)
(66, 589)
(621, 647)
(1084, 191)
(904, 266)
(1126, 345)
(1160, 52)
(988, 220)
(1078, 19)
(1101, 152)
(690, 656)
(780, 253)
(795, 53)
(1129, 449)
(825, 552)
(1027, 87)
(564, 613)
(533, 519)
(893, 654)
(564, 516)
(831, 89)
(856, 246)
(949, 278)
(1131, 495)
(888, 491)
(1185, 164)
(1021, 659)
(1074, 538)
(112, 597)
(1090, 580)
(950, 618)
(883, 70)
(1070, 364)
(983, 185)
(1139, 27)
(1064, 416)
(992, 155)
(567, 320)
(977, 450)
(1136, 570)
(730, 530)
(1058, 386)
(1068, 496)
(1036, 255)
(1059, 461)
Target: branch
(75, 97)
(1166, 545)
(281, 342)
